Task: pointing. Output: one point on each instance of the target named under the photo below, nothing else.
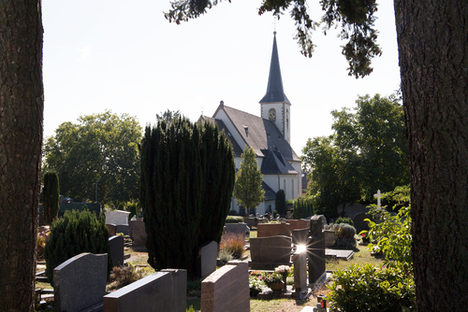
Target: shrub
(345, 237)
(344, 220)
(76, 232)
(123, 275)
(280, 203)
(224, 255)
(371, 289)
(234, 219)
(234, 243)
(303, 208)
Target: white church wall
(298, 181)
(272, 181)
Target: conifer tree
(248, 188)
(280, 203)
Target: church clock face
(272, 114)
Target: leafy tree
(51, 202)
(248, 187)
(101, 148)
(186, 187)
(168, 115)
(366, 152)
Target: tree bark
(432, 46)
(21, 113)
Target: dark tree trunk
(21, 108)
(432, 43)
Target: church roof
(221, 126)
(274, 163)
(269, 193)
(258, 133)
(274, 91)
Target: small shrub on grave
(123, 275)
(367, 288)
(224, 255)
(234, 244)
(345, 234)
(234, 219)
(344, 220)
(76, 232)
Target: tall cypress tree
(51, 191)
(187, 176)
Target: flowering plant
(272, 278)
(255, 285)
(283, 270)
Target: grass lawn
(361, 257)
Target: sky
(124, 56)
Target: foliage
(51, 196)
(366, 152)
(234, 219)
(43, 233)
(303, 207)
(132, 206)
(280, 203)
(123, 275)
(168, 115)
(345, 237)
(255, 285)
(356, 19)
(283, 270)
(344, 220)
(271, 278)
(366, 288)
(234, 243)
(102, 149)
(186, 186)
(225, 255)
(76, 232)
(248, 187)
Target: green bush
(280, 203)
(345, 234)
(76, 232)
(344, 220)
(234, 219)
(303, 207)
(367, 288)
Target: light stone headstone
(208, 254)
(80, 282)
(117, 217)
(378, 195)
(116, 249)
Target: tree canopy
(248, 187)
(100, 148)
(366, 152)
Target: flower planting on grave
(123, 276)
(187, 177)
(76, 232)
(233, 243)
(256, 285)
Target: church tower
(275, 106)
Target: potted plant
(274, 281)
(283, 270)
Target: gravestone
(161, 291)
(116, 249)
(251, 221)
(270, 252)
(296, 224)
(117, 217)
(80, 282)
(138, 234)
(273, 229)
(208, 254)
(227, 289)
(237, 229)
(330, 238)
(300, 273)
(316, 256)
(122, 228)
(111, 229)
(300, 236)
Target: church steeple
(274, 91)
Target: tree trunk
(432, 48)
(21, 109)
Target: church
(269, 136)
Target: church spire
(274, 91)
